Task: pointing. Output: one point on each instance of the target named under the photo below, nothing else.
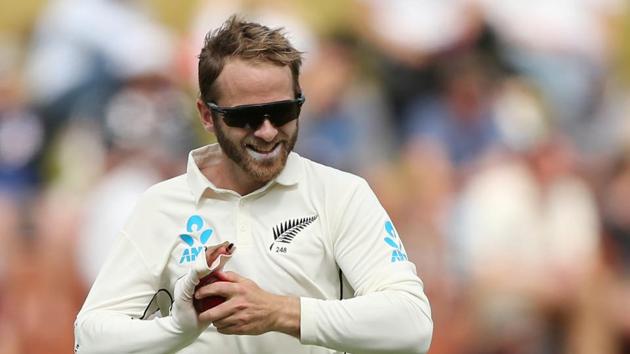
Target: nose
(266, 131)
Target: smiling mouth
(260, 154)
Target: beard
(259, 169)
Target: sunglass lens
(243, 119)
(282, 113)
(252, 117)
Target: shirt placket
(243, 224)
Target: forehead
(249, 82)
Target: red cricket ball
(208, 302)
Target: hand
(249, 309)
(184, 316)
(215, 263)
(213, 253)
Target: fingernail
(229, 247)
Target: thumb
(214, 253)
(199, 269)
(228, 276)
(185, 286)
(183, 315)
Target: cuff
(308, 320)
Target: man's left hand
(249, 309)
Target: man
(318, 266)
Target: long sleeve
(389, 312)
(101, 331)
(110, 320)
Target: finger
(219, 312)
(213, 252)
(235, 325)
(218, 288)
(229, 276)
(232, 328)
(232, 324)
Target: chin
(258, 167)
(265, 171)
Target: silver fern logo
(286, 231)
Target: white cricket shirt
(313, 232)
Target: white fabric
(342, 228)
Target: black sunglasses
(252, 116)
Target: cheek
(238, 138)
(289, 129)
(236, 135)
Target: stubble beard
(259, 170)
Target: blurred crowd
(495, 132)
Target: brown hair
(246, 40)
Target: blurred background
(495, 132)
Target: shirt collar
(199, 183)
(290, 174)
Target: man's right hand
(184, 316)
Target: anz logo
(194, 225)
(392, 239)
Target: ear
(205, 115)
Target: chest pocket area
(296, 235)
(300, 253)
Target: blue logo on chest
(194, 225)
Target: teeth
(263, 151)
(259, 155)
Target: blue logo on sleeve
(194, 225)
(394, 242)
